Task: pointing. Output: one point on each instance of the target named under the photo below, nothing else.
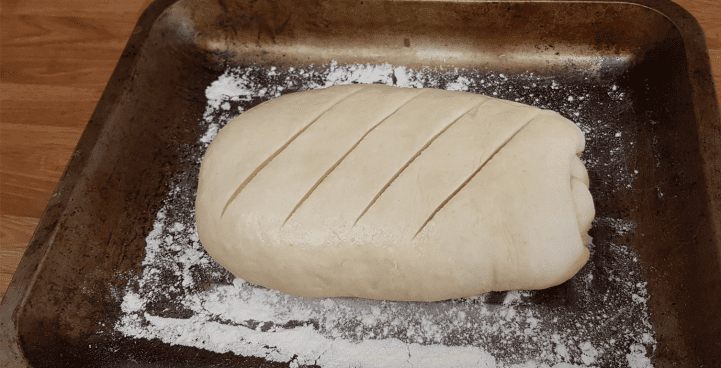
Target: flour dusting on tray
(598, 318)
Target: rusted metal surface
(59, 308)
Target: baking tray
(649, 56)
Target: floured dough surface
(393, 193)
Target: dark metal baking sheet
(91, 239)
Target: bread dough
(394, 193)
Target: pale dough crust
(391, 193)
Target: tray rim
(706, 108)
(42, 239)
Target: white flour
(184, 298)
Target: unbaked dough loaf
(393, 193)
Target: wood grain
(55, 60)
(56, 57)
(14, 236)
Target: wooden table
(55, 58)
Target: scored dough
(394, 193)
